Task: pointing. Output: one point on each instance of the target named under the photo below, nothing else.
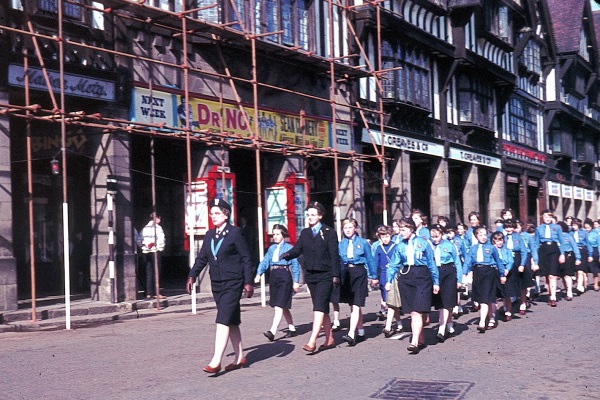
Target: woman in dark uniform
(319, 245)
(231, 273)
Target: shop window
(476, 102)
(523, 122)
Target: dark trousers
(150, 274)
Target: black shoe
(292, 333)
(412, 349)
(481, 329)
(349, 340)
(269, 335)
(387, 333)
(381, 316)
(360, 338)
(441, 338)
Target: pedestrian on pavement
(581, 238)
(391, 300)
(449, 266)
(548, 252)
(483, 260)
(319, 245)
(153, 244)
(593, 245)
(284, 281)
(506, 288)
(419, 277)
(566, 270)
(231, 275)
(357, 259)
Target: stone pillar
(440, 191)
(471, 191)
(112, 158)
(349, 195)
(497, 201)
(8, 263)
(400, 186)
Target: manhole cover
(399, 389)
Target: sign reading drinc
(75, 85)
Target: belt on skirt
(286, 266)
(486, 265)
(446, 265)
(354, 265)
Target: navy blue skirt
(448, 295)
(415, 286)
(281, 288)
(227, 295)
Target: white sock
(523, 306)
(351, 334)
(291, 328)
(451, 327)
(442, 329)
(336, 323)
(361, 332)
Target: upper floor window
(523, 122)
(498, 20)
(476, 102)
(531, 57)
(211, 11)
(583, 45)
(407, 78)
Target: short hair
(499, 221)
(530, 228)
(438, 228)
(547, 211)
(510, 223)
(475, 214)
(506, 210)
(569, 217)
(443, 218)
(588, 221)
(154, 215)
(407, 223)
(476, 231)
(350, 220)
(317, 206)
(577, 222)
(383, 230)
(563, 225)
(461, 224)
(282, 228)
(496, 235)
(421, 214)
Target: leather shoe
(349, 340)
(568, 298)
(269, 335)
(552, 303)
(441, 338)
(475, 307)
(291, 333)
(234, 366)
(522, 312)
(212, 370)
(412, 349)
(481, 329)
(387, 333)
(381, 316)
(507, 317)
(360, 338)
(309, 349)
(326, 346)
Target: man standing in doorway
(153, 244)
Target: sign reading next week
(474, 158)
(75, 85)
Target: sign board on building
(403, 143)
(74, 85)
(474, 158)
(196, 215)
(512, 178)
(567, 191)
(589, 195)
(523, 154)
(553, 189)
(154, 107)
(578, 193)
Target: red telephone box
(203, 190)
(286, 202)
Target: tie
(509, 242)
(276, 254)
(315, 231)
(410, 253)
(576, 237)
(350, 253)
(438, 256)
(480, 254)
(548, 235)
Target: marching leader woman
(231, 274)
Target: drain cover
(399, 389)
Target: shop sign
(553, 189)
(512, 179)
(578, 193)
(196, 216)
(567, 191)
(342, 138)
(74, 85)
(403, 143)
(523, 154)
(474, 158)
(533, 183)
(589, 195)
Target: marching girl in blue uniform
(459, 243)
(520, 276)
(356, 256)
(284, 281)
(506, 288)
(580, 236)
(449, 265)
(420, 221)
(593, 243)
(482, 258)
(475, 223)
(547, 252)
(383, 257)
(572, 258)
(418, 278)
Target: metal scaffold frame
(183, 26)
